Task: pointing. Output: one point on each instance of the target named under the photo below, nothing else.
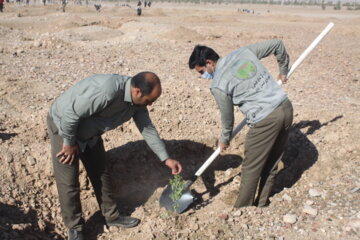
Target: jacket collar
(127, 95)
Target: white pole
(292, 69)
(310, 48)
(217, 152)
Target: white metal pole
(292, 69)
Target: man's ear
(210, 62)
(136, 92)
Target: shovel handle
(218, 150)
(188, 184)
(310, 48)
(243, 122)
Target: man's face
(209, 67)
(200, 69)
(140, 100)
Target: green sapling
(177, 187)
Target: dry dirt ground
(44, 51)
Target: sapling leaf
(177, 187)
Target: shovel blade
(184, 202)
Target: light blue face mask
(207, 75)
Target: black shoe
(124, 221)
(75, 235)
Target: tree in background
(323, 5)
(337, 6)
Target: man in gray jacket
(76, 121)
(241, 79)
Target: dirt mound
(182, 34)
(89, 33)
(155, 12)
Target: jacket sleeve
(276, 47)
(82, 106)
(226, 107)
(150, 134)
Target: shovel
(187, 198)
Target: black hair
(144, 82)
(200, 54)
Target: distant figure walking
(1, 5)
(138, 10)
(63, 4)
(145, 3)
(97, 7)
(149, 4)
(139, 3)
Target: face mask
(207, 75)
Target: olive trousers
(67, 180)
(264, 147)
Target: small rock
(224, 216)
(41, 225)
(37, 44)
(245, 226)
(314, 193)
(290, 218)
(9, 158)
(287, 197)
(31, 160)
(110, 229)
(228, 172)
(19, 51)
(11, 201)
(355, 189)
(238, 213)
(193, 226)
(309, 210)
(309, 202)
(21, 226)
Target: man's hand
(174, 165)
(282, 78)
(67, 154)
(223, 146)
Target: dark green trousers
(264, 147)
(67, 181)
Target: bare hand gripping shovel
(187, 198)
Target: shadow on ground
(300, 153)
(6, 136)
(15, 224)
(137, 172)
